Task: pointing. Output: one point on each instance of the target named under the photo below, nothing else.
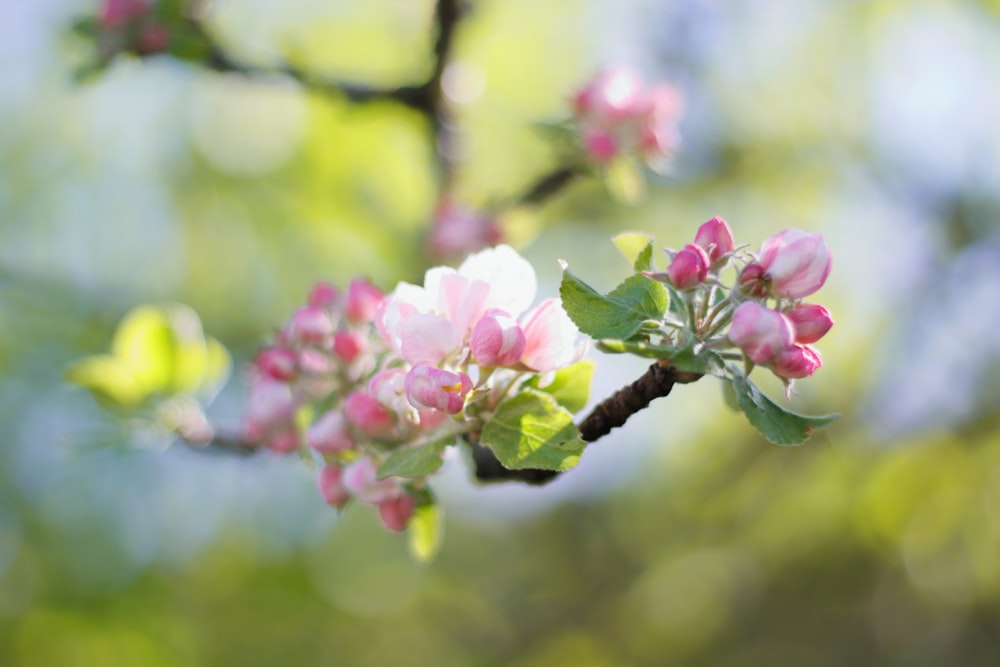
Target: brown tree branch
(658, 380)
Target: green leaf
(570, 386)
(705, 362)
(780, 426)
(426, 531)
(619, 314)
(414, 461)
(156, 350)
(531, 430)
(637, 249)
(145, 343)
(110, 381)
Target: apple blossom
(359, 479)
(310, 325)
(349, 344)
(329, 433)
(331, 486)
(762, 333)
(715, 238)
(430, 387)
(277, 362)
(116, 13)
(811, 322)
(363, 300)
(368, 414)
(796, 263)
(797, 361)
(396, 512)
(617, 114)
(550, 338)
(612, 95)
(497, 340)
(323, 295)
(689, 267)
(459, 230)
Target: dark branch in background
(550, 185)
(658, 380)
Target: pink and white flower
(497, 340)
(760, 332)
(550, 338)
(430, 387)
(811, 321)
(796, 263)
(359, 479)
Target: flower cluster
(766, 317)
(617, 114)
(130, 25)
(380, 372)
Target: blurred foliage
(876, 543)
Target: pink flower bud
(796, 262)
(811, 322)
(153, 39)
(368, 414)
(797, 361)
(754, 282)
(283, 441)
(497, 340)
(349, 344)
(459, 230)
(310, 325)
(397, 512)
(329, 433)
(323, 295)
(550, 338)
(270, 403)
(600, 145)
(279, 363)
(331, 486)
(116, 13)
(316, 362)
(363, 300)
(430, 387)
(389, 388)
(613, 95)
(689, 267)
(715, 238)
(359, 480)
(760, 332)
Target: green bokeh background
(682, 539)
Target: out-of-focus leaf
(637, 249)
(531, 430)
(147, 346)
(426, 531)
(109, 380)
(156, 350)
(619, 314)
(414, 461)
